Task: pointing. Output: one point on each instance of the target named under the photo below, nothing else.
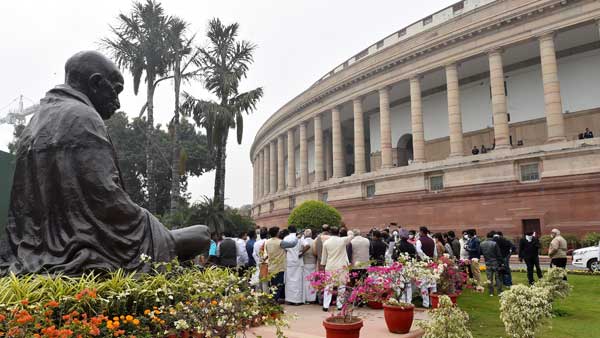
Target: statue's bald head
(96, 76)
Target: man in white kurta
(335, 258)
(310, 265)
(258, 253)
(294, 270)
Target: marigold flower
(129, 318)
(136, 322)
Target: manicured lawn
(579, 314)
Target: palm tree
(224, 64)
(180, 51)
(211, 214)
(141, 45)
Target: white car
(587, 258)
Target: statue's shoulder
(64, 118)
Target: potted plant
(341, 324)
(372, 290)
(450, 280)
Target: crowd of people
(285, 257)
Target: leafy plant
(313, 214)
(446, 321)
(591, 239)
(524, 309)
(554, 281)
(172, 299)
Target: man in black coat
(506, 248)
(529, 248)
(377, 249)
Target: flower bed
(212, 302)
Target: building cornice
(369, 67)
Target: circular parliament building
(480, 116)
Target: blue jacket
(474, 248)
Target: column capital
(415, 78)
(358, 99)
(384, 89)
(452, 65)
(495, 50)
(547, 35)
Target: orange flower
(52, 303)
(214, 302)
(136, 322)
(146, 312)
(25, 302)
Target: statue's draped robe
(69, 211)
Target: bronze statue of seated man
(69, 211)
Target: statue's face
(105, 93)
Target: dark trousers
(532, 262)
(507, 275)
(559, 263)
(278, 282)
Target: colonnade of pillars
(269, 161)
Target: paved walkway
(307, 323)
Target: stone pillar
(319, 172)
(272, 167)
(261, 174)
(291, 148)
(303, 155)
(454, 116)
(266, 168)
(339, 167)
(552, 101)
(501, 131)
(328, 157)
(385, 130)
(280, 165)
(416, 118)
(359, 137)
(254, 179)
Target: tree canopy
(128, 138)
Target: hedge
(313, 214)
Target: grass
(578, 316)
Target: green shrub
(545, 243)
(447, 321)
(524, 309)
(313, 214)
(573, 241)
(591, 239)
(554, 281)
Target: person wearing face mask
(529, 248)
(391, 245)
(412, 237)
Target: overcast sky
(298, 42)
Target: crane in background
(18, 115)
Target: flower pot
(398, 319)
(375, 305)
(435, 299)
(337, 328)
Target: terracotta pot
(435, 299)
(336, 328)
(398, 319)
(375, 305)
